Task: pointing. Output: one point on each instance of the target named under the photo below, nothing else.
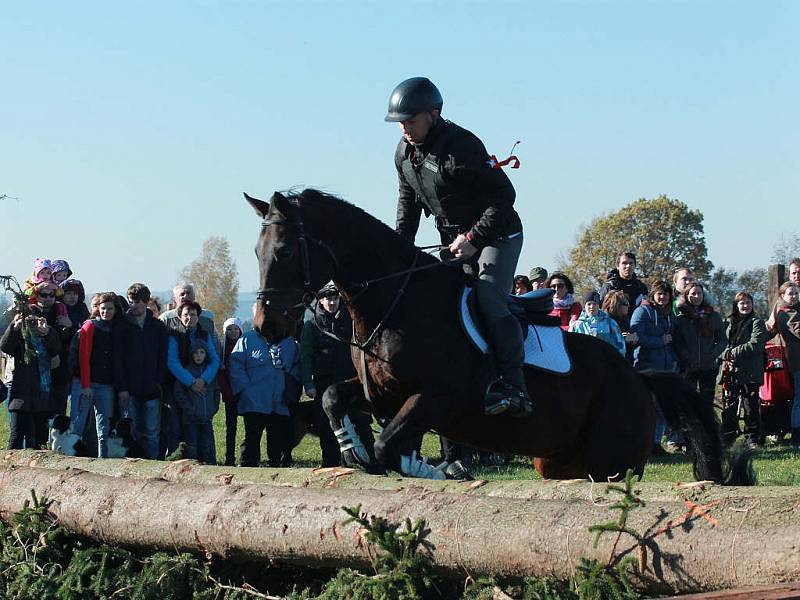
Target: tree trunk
(729, 542)
(190, 471)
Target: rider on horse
(445, 170)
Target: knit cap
(231, 321)
(38, 265)
(591, 296)
(59, 266)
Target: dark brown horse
(421, 371)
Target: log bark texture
(690, 547)
(190, 471)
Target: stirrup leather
(411, 466)
(348, 440)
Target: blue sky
(129, 130)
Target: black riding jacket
(450, 177)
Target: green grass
(777, 464)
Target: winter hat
(197, 344)
(538, 274)
(74, 285)
(591, 296)
(61, 265)
(232, 321)
(38, 265)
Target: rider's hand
(461, 247)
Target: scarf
(701, 316)
(44, 363)
(565, 302)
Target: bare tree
(215, 278)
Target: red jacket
(567, 315)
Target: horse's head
(293, 262)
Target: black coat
(634, 289)
(450, 177)
(140, 356)
(26, 392)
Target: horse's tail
(685, 410)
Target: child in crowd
(61, 271)
(232, 328)
(42, 273)
(198, 406)
(75, 301)
(595, 322)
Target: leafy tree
(724, 284)
(215, 278)
(663, 233)
(755, 282)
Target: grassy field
(774, 464)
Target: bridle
(308, 293)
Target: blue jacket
(259, 375)
(180, 372)
(196, 408)
(600, 326)
(651, 326)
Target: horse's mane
(337, 217)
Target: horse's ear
(261, 207)
(281, 204)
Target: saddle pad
(544, 346)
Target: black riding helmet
(413, 96)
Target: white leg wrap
(412, 466)
(348, 440)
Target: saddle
(543, 338)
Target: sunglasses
(46, 294)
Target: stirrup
(508, 399)
(411, 466)
(349, 440)
(456, 470)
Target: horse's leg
(350, 425)
(395, 446)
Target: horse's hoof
(457, 470)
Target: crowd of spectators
(679, 327)
(123, 364)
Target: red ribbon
(495, 164)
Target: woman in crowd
(616, 305)
(743, 370)
(260, 370)
(785, 321)
(232, 330)
(653, 323)
(32, 343)
(180, 342)
(565, 307)
(699, 341)
(522, 285)
(595, 322)
(93, 385)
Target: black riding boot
(508, 393)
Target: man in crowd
(538, 276)
(140, 362)
(681, 280)
(624, 279)
(794, 271)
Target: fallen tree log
(688, 547)
(189, 471)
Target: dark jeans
(27, 430)
(705, 382)
(231, 424)
(200, 442)
(331, 456)
(279, 439)
(747, 396)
